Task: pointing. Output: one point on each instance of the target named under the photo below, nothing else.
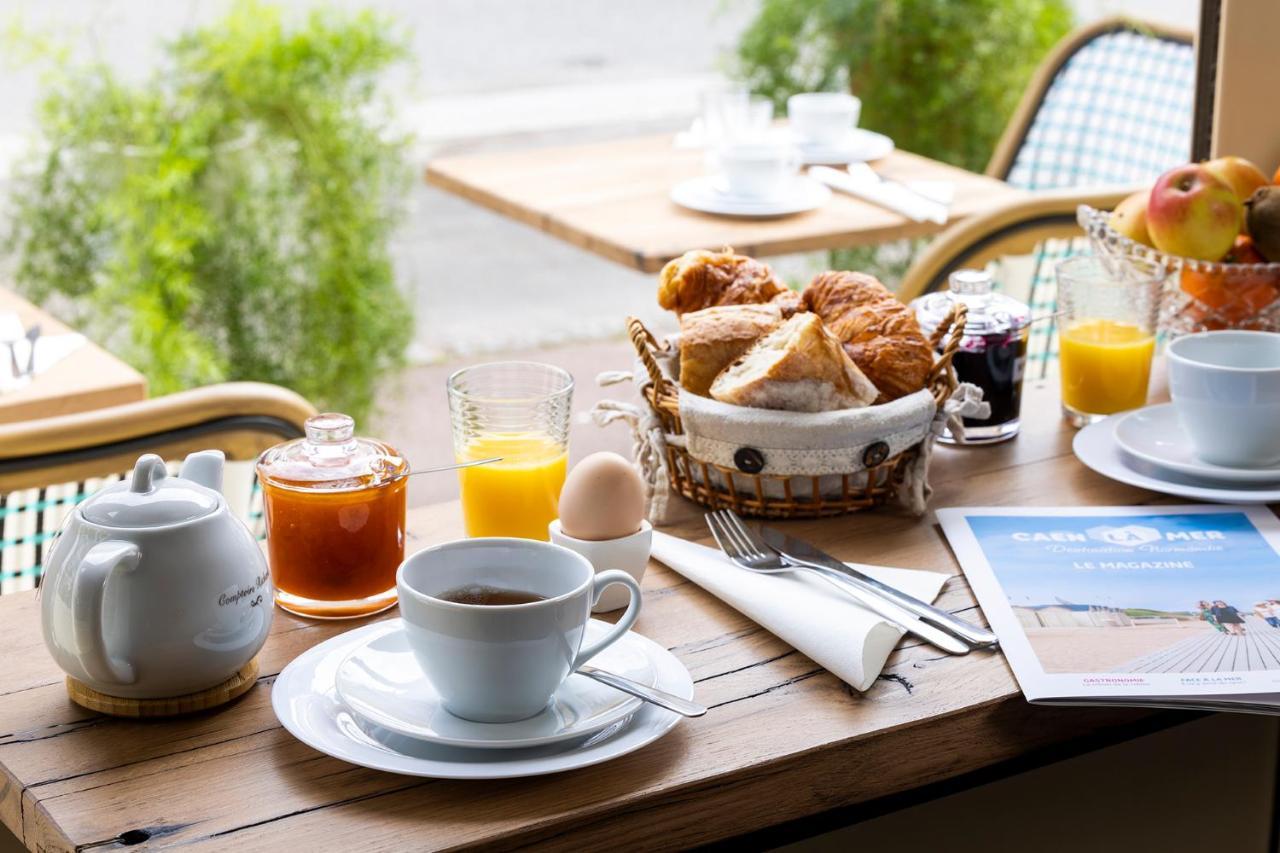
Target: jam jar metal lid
(989, 312)
(331, 458)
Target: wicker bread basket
(787, 496)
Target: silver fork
(745, 548)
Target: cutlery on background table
(798, 551)
(862, 182)
(33, 335)
(661, 698)
(745, 548)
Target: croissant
(879, 333)
(701, 279)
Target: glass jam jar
(334, 509)
(992, 353)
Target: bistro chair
(1106, 113)
(48, 466)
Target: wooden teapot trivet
(118, 706)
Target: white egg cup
(628, 553)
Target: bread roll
(879, 333)
(712, 338)
(702, 279)
(799, 367)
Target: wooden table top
(611, 198)
(784, 740)
(88, 378)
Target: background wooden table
(611, 198)
(784, 740)
(88, 378)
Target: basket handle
(646, 344)
(941, 376)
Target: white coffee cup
(759, 169)
(501, 663)
(627, 553)
(823, 118)
(1226, 390)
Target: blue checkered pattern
(1118, 112)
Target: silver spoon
(661, 698)
(456, 465)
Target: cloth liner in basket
(786, 453)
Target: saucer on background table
(707, 194)
(381, 682)
(305, 701)
(858, 146)
(1154, 435)
(1097, 448)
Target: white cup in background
(823, 118)
(501, 663)
(760, 169)
(1226, 390)
(628, 553)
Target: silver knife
(799, 551)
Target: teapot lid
(149, 498)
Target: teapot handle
(86, 607)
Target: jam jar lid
(331, 458)
(989, 312)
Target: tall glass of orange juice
(518, 411)
(1107, 334)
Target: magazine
(1160, 606)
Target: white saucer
(1096, 447)
(382, 683)
(707, 195)
(1154, 435)
(306, 703)
(858, 147)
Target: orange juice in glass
(518, 411)
(1107, 335)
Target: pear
(1262, 217)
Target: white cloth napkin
(50, 349)
(860, 181)
(801, 608)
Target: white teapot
(154, 588)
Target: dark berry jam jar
(992, 353)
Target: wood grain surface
(783, 739)
(88, 378)
(611, 198)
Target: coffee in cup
(823, 118)
(497, 624)
(1226, 390)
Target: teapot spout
(205, 468)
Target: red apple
(1193, 214)
(1130, 217)
(1238, 173)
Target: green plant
(941, 77)
(227, 218)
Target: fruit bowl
(1198, 295)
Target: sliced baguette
(798, 367)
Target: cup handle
(605, 579)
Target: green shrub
(941, 77)
(227, 218)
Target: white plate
(1154, 435)
(381, 682)
(1096, 447)
(706, 195)
(306, 703)
(858, 147)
